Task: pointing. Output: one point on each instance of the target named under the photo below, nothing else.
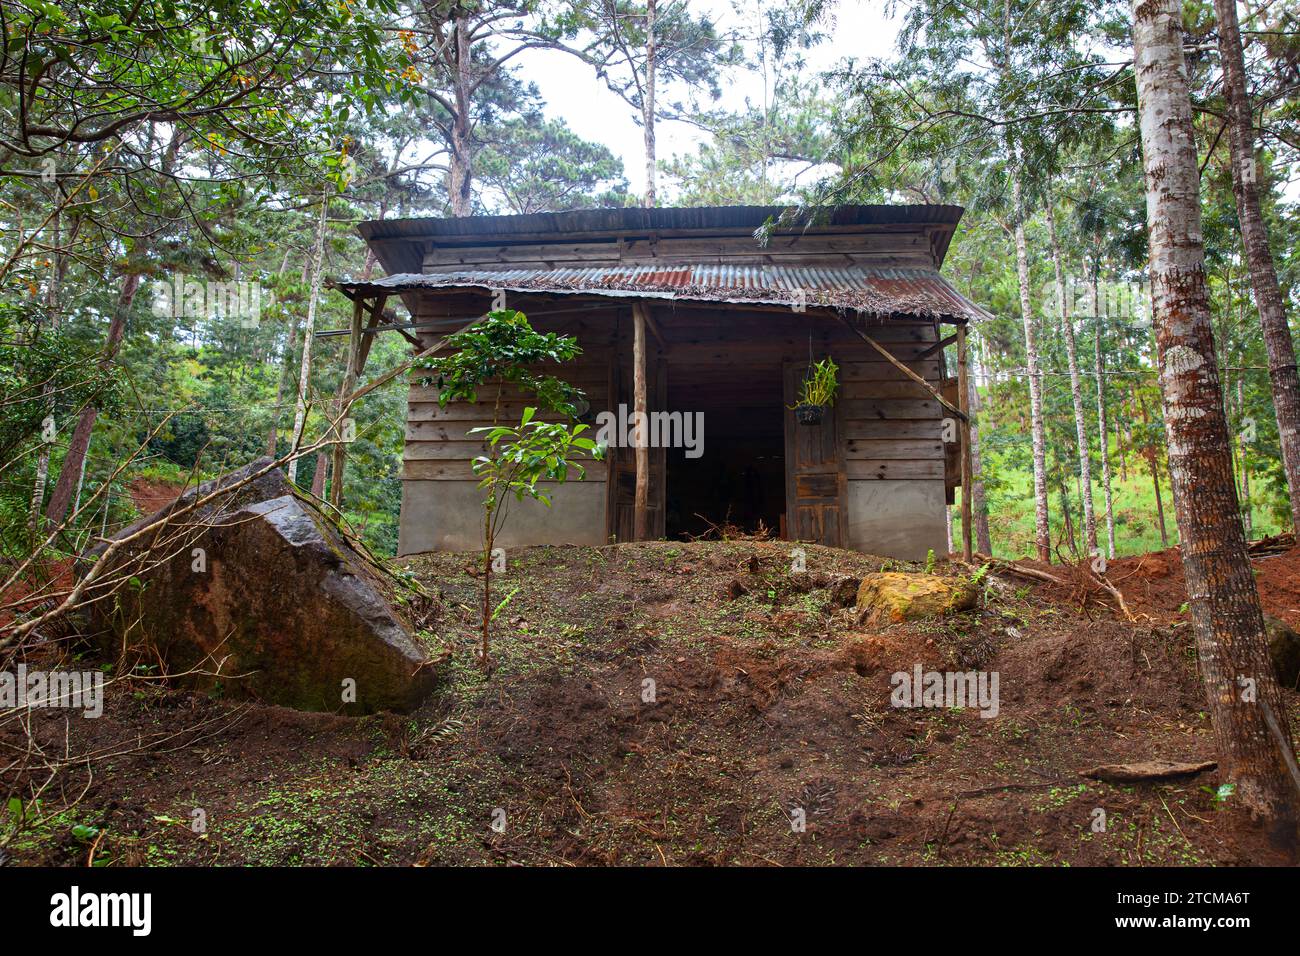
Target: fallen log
(1009, 567)
(1146, 771)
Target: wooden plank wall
(891, 426)
(907, 246)
(439, 446)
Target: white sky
(861, 29)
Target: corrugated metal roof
(879, 292)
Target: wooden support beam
(397, 370)
(376, 316)
(889, 357)
(641, 508)
(942, 343)
(653, 326)
(963, 399)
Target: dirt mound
(690, 703)
(35, 591)
(1153, 584)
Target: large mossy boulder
(905, 596)
(257, 595)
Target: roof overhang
(398, 242)
(881, 293)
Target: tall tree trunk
(304, 373)
(1153, 464)
(319, 476)
(1042, 533)
(1076, 388)
(43, 456)
(1066, 518)
(1245, 702)
(1102, 434)
(1282, 372)
(272, 439)
(648, 104)
(74, 462)
(1121, 446)
(38, 485)
(460, 172)
(1246, 517)
(978, 500)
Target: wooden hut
(685, 312)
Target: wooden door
(814, 471)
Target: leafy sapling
(505, 351)
(521, 456)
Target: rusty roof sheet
(878, 292)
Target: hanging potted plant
(816, 392)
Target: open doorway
(739, 479)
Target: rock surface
(261, 593)
(904, 596)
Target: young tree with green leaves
(503, 350)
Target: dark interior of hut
(739, 481)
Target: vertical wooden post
(963, 403)
(341, 409)
(641, 510)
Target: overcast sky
(572, 92)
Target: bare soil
(668, 704)
(1155, 582)
(150, 495)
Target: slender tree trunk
(304, 373)
(1121, 445)
(38, 486)
(1245, 702)
(1153, 464)
(487, 587)
(491, 515)
(74, 462)
(272, 440)
(43, 456)
(320, 474)
(1076, 387)
(978, 500)
(1042, 533)
(1066, 518)
(648, 104)
(460, 173)
(1282, 372)
(1102, 434)
(1246, 517)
